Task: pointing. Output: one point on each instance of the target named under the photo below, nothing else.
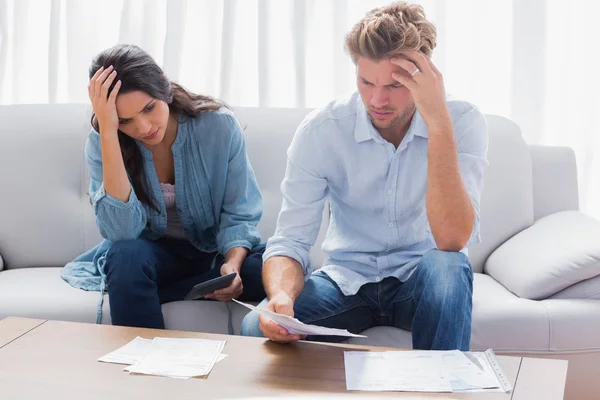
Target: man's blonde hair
(385, 31)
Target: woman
(172, 189)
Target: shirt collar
(363, 129)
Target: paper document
(179, 357)
(296, 327)
(412, 371)
(134, 351)
(469, 374)
(423, 371)
(129, 354)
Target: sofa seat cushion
(574, 325)
(41, 293)
(503, 321)
(387, 336)
(203, 316)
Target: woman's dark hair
(138, 71)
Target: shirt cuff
(280, 251)
(113, 201)
(236, 243)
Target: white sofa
(537, 271)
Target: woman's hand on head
(103, 103)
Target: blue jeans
(434, 303)
(143, 274)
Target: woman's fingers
(113, 94)
(92, 84)
(106, 85)
(100, 81)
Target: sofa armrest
(557, 251)
(554, 180)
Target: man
(402, 168)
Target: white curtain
(534, 61)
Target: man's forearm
(449, 208)
(283, 274)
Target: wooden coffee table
(57, 360)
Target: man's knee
(445, 261)
(126, 259)
(250, 325)
(449, 271)
(250, 322)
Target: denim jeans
(143, 274)
(435, 303)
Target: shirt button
(391, 225)
(390, 192)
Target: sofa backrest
(42, 206)
(46, 218)
(507, 198)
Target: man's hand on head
(426, 86)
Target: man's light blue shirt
(376, 193)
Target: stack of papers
(422, 371)
(129, 354)
(175, 358)
(295, 327)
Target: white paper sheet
(469, 374)
(295, 327)
(134, 351)
(221, 357)
(426, 371)
(413, 371)
(129, 354)
(183, 358)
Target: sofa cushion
(267, 145)
(558, 251)
(387, 336)
(504, 321)
(588, 289)
(574, 324)
(41, 166)
(41, 293)
(507, 198)
(203, 316)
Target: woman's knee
(253, 262)
(127, 258)
(251, 274)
